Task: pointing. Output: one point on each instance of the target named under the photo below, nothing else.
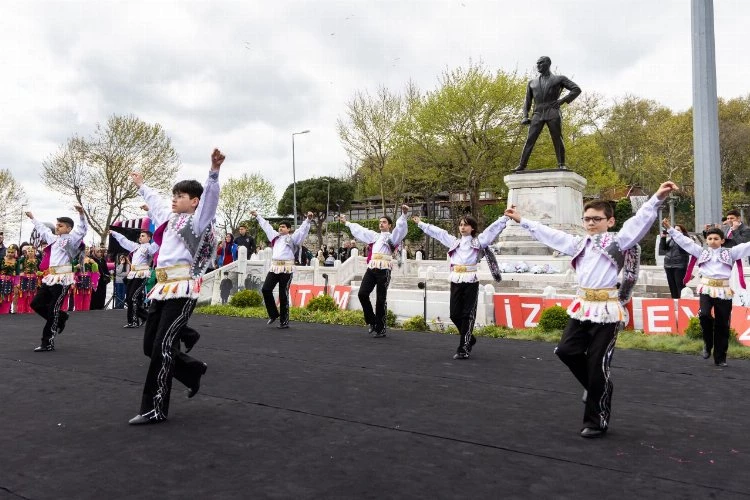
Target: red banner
(686, 309)
(741, 324)
(658, 316)
(301, 294)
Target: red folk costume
(8, 279)
(28, 283)
(87, 280)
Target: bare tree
(369, 132)
(239, 196)
(13, 198)
(95, 172)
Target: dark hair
(285, 223)
(150, 235)
(715, 230)
(191, 188)
(231, 237)
(390, 221)
(471, 221)
(66, 220)
(682, 229)
(734, 212)
(602, 206)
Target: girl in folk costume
(9, 271)
(28, 280)
(597, 313)
(465, 253)
(715, 267)
(227, 251)
(58, 278)
(87, 280)
(140, 269)
(285, 247)
(379, 265)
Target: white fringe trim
(182, 289)
(64, 279)
(715, 292)
(470, 277)
(610, 311)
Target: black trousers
(134, 300)
(47, 303)
(675, 277)
(587, 349)
(161, 340)
(380, 279)
(463, 307)
(284, 280)
(555, 131)
(716, 328)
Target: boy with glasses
(597, 313)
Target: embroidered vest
(725, 257)
(488, 254)
(201, 247)
(627, 261)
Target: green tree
(239, 196)
(95, 171)
(313, 196)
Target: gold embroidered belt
(597, 294)
(282, 262)
(60, 269)
(463, 268)
(171, 274)
(715, 282)
(140, 267)
(381, 256)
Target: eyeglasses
(595, 220)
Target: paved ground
(327, 412)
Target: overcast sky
(244, 75)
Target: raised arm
(636, 227)
(439, 234)
(44, 232)
(206, 211)
(361, 233)
(492, 231)
(740, 251)
(683, 241)
(124, 242)
(271, 233)
(301, 233)
(158, 210)
(402, 227)
(79, 230)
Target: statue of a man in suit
(545, 92)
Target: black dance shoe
(192, 391)
(283, 326)
(45, 348)
(270, 321)
(592, 432)
(706, 353)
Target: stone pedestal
(552, 197)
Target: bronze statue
(545, 92)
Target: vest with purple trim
(474, 244)
(627, 261)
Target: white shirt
(281, 248)
(142, 252)
(713, 268)
(173, 250)
(380, 240)
(594, 269)
(64, 246)
(465, 254)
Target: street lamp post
(294, 177)
(20, 226)
(338, 227)
(328, 202)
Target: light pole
(20, 226)
(294, 177)
(338, 227)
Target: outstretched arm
(553, 238)
(44, 232)
(402, 227)
(206, 211)
(79, 231)
(438, 233)
(492, 231)
(271, 233)
(301, 233)
(158, 211)
(361, 233)
(125, 243)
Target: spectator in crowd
(245, 240)
(227, 251)
(3, 248)
(121, 276)
(225, 288)
(99, 296)
(675, 261)
(736, 232)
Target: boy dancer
(596, 314)
(140, 270)
(285, 247)
(187, 245)
(715, 265)
(465, 253)
(379, 265)
(58, 278)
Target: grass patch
(627, 339)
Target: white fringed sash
(59, 275)
(715, 288)
(464, 273)
(281, 266)
(139, 271)
(175, 282)
(380, 261)
(598, 305)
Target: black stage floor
(324, 412)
